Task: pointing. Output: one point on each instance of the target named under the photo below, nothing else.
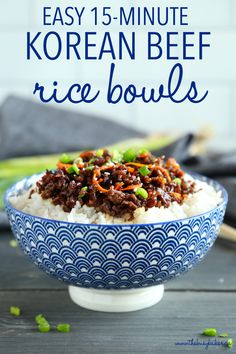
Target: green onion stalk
(13, 170)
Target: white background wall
(217, 73)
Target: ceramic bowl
(115, 267)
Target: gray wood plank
(19, 272)
(178, 317)
(215, 272)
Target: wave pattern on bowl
(116, 256)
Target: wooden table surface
(205, 297)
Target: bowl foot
(116, 300)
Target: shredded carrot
(136, 164)
(173, 163)
(104, 168)
(96, 182)
(134, 186)
(151, 166)
(130, 169)
(118, 186)
(176, 195)
(164, 172)
(96, 173)
(145, 154)
(101, 189)
(62, 165)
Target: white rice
(204, 199)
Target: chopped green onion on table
(63, 327)
(43, 324)
(40, 319)
(44, 327)
(230, 343)
(210, 332)
(13, 243)
(15, 311)
(224, 335)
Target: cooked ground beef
(115, 188)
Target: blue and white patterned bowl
(115, 256)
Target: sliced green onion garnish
(210, 332)
(63, 327)
(129, 155)
(76, 169)
(40, 319)
(83, 191)
(142, 193)
(64, 158)
(230, 343)
(15, 311)
(13, 243)
(73, 169)
(89, 167)
(44, 327)
(91, 161)
(99, 153)
(143, 151)
(223, 335)
(177, 181)
(144, 171)
(78, 160)
(117, 156)
(70, 170)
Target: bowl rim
(203, 178)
